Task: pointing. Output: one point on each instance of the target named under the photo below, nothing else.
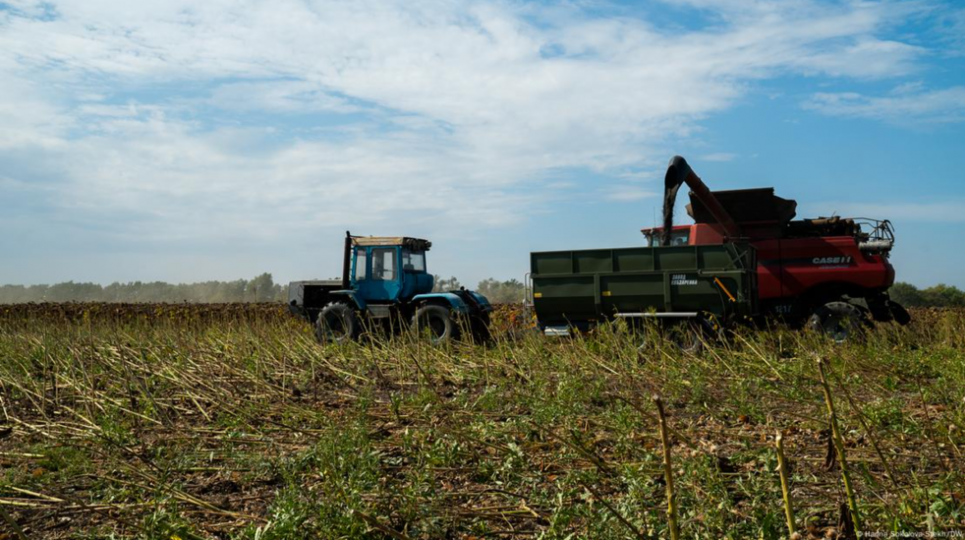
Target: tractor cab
(389, 269)
(385, 283)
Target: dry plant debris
(229, 421)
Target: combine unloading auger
(679, 172)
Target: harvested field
(229, 421)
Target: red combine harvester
(831, 274)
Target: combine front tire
(337, 323)
(899, 313)
(839, 321)
(437, 321)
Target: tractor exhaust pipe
(347, 261)
(679, 172)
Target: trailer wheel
(479, 326)
(685, 336)
(337, 323)
(438, 321)
(839, 321)
(692, 335)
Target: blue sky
(186, 141)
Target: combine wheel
(899, 313)
(438, 321)
(839, 321)
(337, 323)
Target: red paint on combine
(802, 264)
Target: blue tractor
(385, 284)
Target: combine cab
(831, 274)
(385, 283)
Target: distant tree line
(497, 292)
(940, 295)
(440, 283)
(263, 288)
(259, 289)
(502, 292)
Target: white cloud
(719, 157)
(908, 104)
(627, 193)
(447, 111)
(30, 116)
(285, 96)
(223, 185)
(950, 29)
(868, 58)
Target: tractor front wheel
(337, 323)
(839, 321)
(437, 321)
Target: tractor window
(414, 261)
(360, 270)
(383, 264)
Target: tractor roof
(415, 244)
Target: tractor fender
(445, 298)
(353, 299)
(481, 300)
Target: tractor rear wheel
(337, 323)
(437, 321)
(839, 321)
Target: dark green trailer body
(581, 288)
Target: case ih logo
(831, 260)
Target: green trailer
(579, 289)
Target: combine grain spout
(678, 173)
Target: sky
(186, 141)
